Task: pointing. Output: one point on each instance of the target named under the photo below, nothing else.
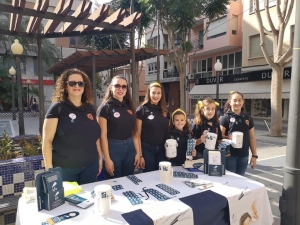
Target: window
(255, 49)
(152, 68)
(231, 63)
(202, 68)
(234, 24)
(217, 28)
(201, 33)
(261, 5)
(44, 68)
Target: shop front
(255, 87)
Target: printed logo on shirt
(247, 122)
(232, 120)
(129, 111)
(90, 116)
(72, 116)
(151, 117)
(116, 114)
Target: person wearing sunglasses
(151, 127)
(116, 118)
(71, 132)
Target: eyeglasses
(73, 83)
(119, 86)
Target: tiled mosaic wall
(15, 174)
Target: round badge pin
(116, 114)
(151, 117)
(232, 120)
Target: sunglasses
(73, 83)
(119, 87)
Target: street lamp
(12, 73)
(28, 82)
(218, 68)
(17, 50)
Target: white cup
(165, 172)
(171, 148)
(102, 199)
(211, 140)
(237, 139)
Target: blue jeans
(82, 175)
(122, 153)
(237, 164)
(153, 155)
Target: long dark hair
(228, 106)
(199, 117)
(108, 94)
(162, 102)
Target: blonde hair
(199, 115)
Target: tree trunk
(276, 101)
(182, 89)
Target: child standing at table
(179, 129)
(206, 120)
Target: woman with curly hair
(71, 132)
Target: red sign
(36, 82)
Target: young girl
(179, 129)
(235, 119)
(206, 120)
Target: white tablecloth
(231, 186)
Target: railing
(170, 73)
(197, 43)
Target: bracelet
(255, 156)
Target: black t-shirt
(74, 143)
(181, 137)
(120, 119)
(198, 131)
(243, 123)
(154, 123)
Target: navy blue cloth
(137, 217)
(208, 208)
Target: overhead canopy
(104, 59)
(250, 90)
(78, 24)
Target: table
(241, 194)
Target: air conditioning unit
(191, 76)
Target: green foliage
(117, 41)
(31, 147)
(187, 46)
(101, 82)
(5, 89)
(6, 147)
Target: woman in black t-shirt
(116, 118)
(71, 132)
(151, 127)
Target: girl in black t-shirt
(151, 127)
(116, 119)
(206, 120)
(235, 119)
(179, 130)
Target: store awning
(250, 90)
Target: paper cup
(171, 148)
(102, 199)
(165, 172)
(237, 139)
(211, 140)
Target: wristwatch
(255, 156)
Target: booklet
(79, 201)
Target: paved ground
(271, 151)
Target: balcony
(170, 73)
(197, 43)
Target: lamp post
(218, 68)
(17, 50)
(28, 82)
(12, 73)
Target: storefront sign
(36, 82)
(202, 96)
(244, 77)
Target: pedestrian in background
(71, 132)
(116, 118)
(152, 119)
(236, 119)
(33, 107)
